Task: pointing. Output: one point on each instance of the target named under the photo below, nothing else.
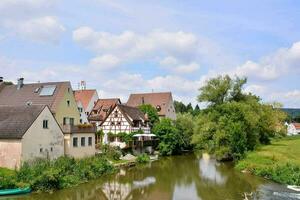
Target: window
(65, 121)
(51, 149)
(45, 124)
(71, 121)
(80, 121)
(90, 141)
(47, 90)
(112, 123)
(69, 90)
(82, 141)
(119, 123)
(68, 103)
(41, 150)
(116, 113)
(75, 142)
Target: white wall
(83, 116)
(91, 104)
(79, 151)
(50, 140)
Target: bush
(143, 158)
(45, 175)
(112, 153)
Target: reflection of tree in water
(221, 181)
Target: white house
(293, 128)
(28, 132)
(122, 119)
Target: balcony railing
(81, 128)
(146, 130)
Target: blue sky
(119, 47)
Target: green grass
(279, 161)
(6, 172)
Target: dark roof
(160, 99)
(11, 96)
(16, 120)
(132, 112)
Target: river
(185, 177)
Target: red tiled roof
(102, 108)
(297, 125)
(84, 96)
(155, 99)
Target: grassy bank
(45, 175)
(279, 161)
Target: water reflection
(179, 177)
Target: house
(59, 97)
(293, 128)
(28, 132)
(123, 119)
(80, 140)
(162, 101)
(85, 100)
(101, 110)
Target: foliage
(110, 152)
(181, 108)
(127, 137)
(170, 140)
(143, 158)
(184, 123)
(222, 89)
(275, 161)
(234, 122)
(151, 112)
(45, 175)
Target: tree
(196, 110)
(180, 107)
(235, 122)
(184, 123)
(151, 112)
(170, 140)
(222, 89)
(189, 108)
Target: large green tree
(170, 139)
(184, 123)
(234, 122)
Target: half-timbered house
(123, 119)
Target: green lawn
(279, 161)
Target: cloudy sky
(125, 46)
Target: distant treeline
(183, 108)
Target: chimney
(20, 83)
(1, 79)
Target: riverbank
(279, 161)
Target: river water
(185, 177)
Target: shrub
(110, 152)
(45, 175)
(143, 158)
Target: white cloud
(168, 48)
(105, 62)
(31, 20)
(271, 67)
(44, 29)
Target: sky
(124, 46)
